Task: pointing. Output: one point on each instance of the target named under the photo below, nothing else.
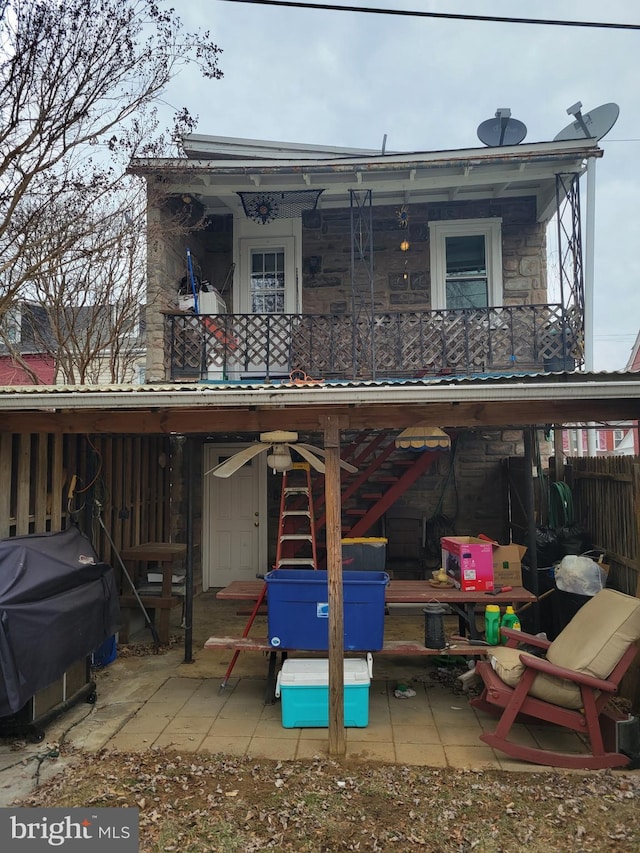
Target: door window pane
(267, 281)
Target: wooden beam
(212, 419)
(337, 738)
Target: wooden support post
(530, 509)
(635, 475)
(558, 452)
(337, 739)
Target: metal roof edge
(510, 389)
(524, 151)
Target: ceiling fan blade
(344, 465)
(306, 453)
(231, 465)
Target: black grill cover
(58, 603)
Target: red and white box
(468, 561)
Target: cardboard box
(468, 561)
(507, 564)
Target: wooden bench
(159, 609)
(406, 648)
(158, 603)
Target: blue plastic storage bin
(298, 609)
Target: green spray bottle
(509, 620)
(492, 624)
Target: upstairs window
(12, 325)
(466, 263)
(466, 272)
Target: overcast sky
(349, 78)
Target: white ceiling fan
(279, 443)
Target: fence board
(606, 493)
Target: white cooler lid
(305, 671)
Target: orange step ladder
(296, 546)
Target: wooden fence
(50, 481)
(606, 499)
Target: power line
(549, 22)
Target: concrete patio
(149, 701)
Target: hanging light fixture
(423, 437)
(280, 459)
(405, 245)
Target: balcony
(396, 345)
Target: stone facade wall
(402, 279)
(471, 497)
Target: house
(271, 262)
(78, 343)
(619, 439)
(356, 264)
(614, 439)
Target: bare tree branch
(78, 82)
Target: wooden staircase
(384, 475)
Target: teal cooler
(298, 609)
(303, 687)
(366, 553)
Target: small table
(463, 602)
(396, 592)
(166, 554)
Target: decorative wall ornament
(264, 207)
(403, 216)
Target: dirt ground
(223, 804)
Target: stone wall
(465, 493)
(402, 279)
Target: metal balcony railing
(508, 339)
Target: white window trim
(491, 229)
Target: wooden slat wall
(125, 478)
(606, 495)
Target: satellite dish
(501, 130)
(593, 125)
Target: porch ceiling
(510, 171)
(207, 408)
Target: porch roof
(304, 405)
(215, 176)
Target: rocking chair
(570, 686)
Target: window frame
(491, 230)
(12, 325)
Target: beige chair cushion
(593, 642)
(598, 635)
(506, 663)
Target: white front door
(267, 283)
(234, 519)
